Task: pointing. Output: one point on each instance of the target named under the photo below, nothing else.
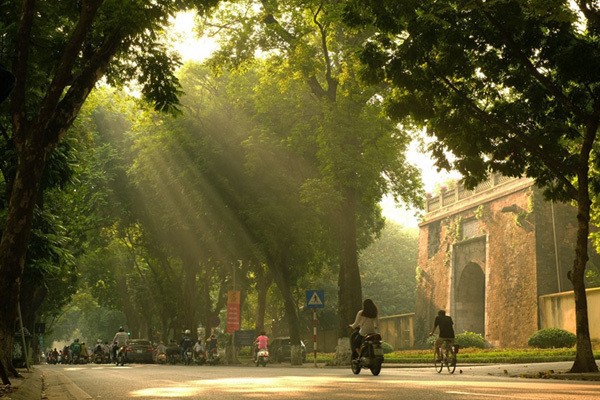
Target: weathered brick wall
(511, 239)
(432, 291)
(511, 292)
(510, 267)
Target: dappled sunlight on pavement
(273, 387)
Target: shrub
(552, 338)
(470, 339)
(387, 348)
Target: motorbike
(98, 357)
(213, 357)
(370, 355)
(173, 358)
(121, 355)
(187, 356)
(52, 359)
(76, 359)
(199, 357)
(262, 357)
(161, 358)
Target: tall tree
(508, 86)
(60, 51)
(358, 153)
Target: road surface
(283, 382)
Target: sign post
(315, 299)
(233, 311)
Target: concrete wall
(558, 311)
(398, 331)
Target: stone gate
(486, 255)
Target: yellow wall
(558, 311)
(397, 330)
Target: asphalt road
(284, 382)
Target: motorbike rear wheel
(376, 369)
(356, 367)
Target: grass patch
(476, 356)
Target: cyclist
(366, 322)
(445, 324)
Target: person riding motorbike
(120, 340)
(75, 349)
(85, 354)
(211, 347)
(99, 348)
(261, 343)
(160, 352)
(365, 323)
(199, 351)
(186, 343)
(172, 351)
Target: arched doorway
(469, 314)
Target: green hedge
(552, 338)
(471, 339)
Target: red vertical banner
(233, 311)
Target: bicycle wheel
(439, 365)
(451, 361)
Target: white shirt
(121, 338)
(367, 325)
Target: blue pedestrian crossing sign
(315, 299)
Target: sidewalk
(27, 388)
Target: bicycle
(446, 356)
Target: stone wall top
(453, 201)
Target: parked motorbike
(262, 357)
(370, 355)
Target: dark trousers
(356, 340)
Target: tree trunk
(190, 294)
(280, 274)
(13, 245)
(349, 282)
(263, 284)
(584, 357)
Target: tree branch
(69, 57)
(71, 103)
(591, 12)
(331, 82)
(20, 67)
(541, 78)
(554, 167)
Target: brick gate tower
(486, 255)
